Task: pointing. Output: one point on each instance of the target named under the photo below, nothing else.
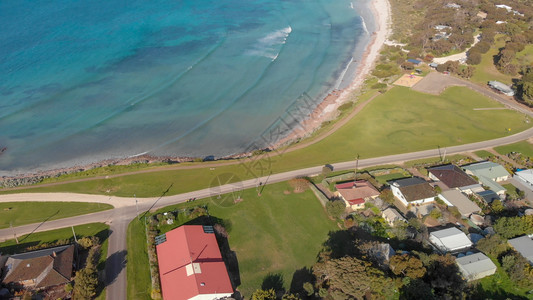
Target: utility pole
(136, 207)
(356, 166)
(444, 156)
(14, 234)
(74, 233)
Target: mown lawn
(484, 154)
(523, 147)
(399, 121)
(486, 71)
(21, 213)
(276, 233)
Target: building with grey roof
(455, 198)
(450, 240)
(475, 266)
(489, 174)
(502, 87)
(523, 245)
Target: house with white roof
(523, 245)
(450, 240)
(489, 174)
(412, 190)
(525, 177)
(475, 266)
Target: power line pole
(136, 207)
(74, 233)
(356, 166)
(14, 234)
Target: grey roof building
(450, 240)
(463, 204)
(524, 245)
(489, 174)
(475, 266)
(502, 87)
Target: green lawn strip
(523, 147)
(21, 213)
(138, 269)
(524, 57)
(384, 178)
(27, 240)
(434, 160)
(500, 286)
(511, 190)
(276, 233)
(484, 154)
(399, 121)
(486, 71)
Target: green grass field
(523, 147)
(486, 71)
(398, 121)
(484, 154)
(272, 234)
(21, 213)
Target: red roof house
(190, 264)
(356, 193)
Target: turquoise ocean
(83, 81)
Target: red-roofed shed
(191, 266)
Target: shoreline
(326, 110)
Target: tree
(387, 196)
(86, 281)
(352, 277)
(88, 242)
(416, 289)
(497, 206)
(290, 296)
(408, 65)
(335, 208)
(407, 265)
(264, 295)
(308, 288)
(525, 86)
(443, 276)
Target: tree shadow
(115, 263)
(299, 277)
(275, 282)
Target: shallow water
(82, 81)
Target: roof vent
(28, 265)
(202, 283)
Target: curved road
(127, 209)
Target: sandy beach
(327, 109)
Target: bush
(335, 208)
(473, 57)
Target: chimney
(54, 254)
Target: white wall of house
(210, 296)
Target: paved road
(126, 209)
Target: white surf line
(341, 77)
(364, 26)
